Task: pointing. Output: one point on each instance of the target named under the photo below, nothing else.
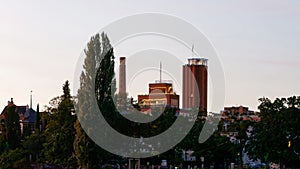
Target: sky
(257, 42)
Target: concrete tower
(122, 76)
(194, 84)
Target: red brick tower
(194, 84)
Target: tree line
(63, 142)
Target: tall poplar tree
(37, 119)
(88, 154)
(83, 145)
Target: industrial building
(194, 84)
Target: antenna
(160, 67)
(193, 53)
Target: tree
(277, 136)
(59, 133)
(243, 126)
(33, 146)
(33, 143)
(12, 126)
(98, 63)
(82, 144)
(239, 126)
(37, 119)
(14, 159)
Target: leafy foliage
(33, 145)
(98, 65)
(12, 126)
(60, 132)
(279, 127)
(14, 159)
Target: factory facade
(160, 93)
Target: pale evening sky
(257, 42)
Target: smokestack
(122, 76)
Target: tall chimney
(122, 76)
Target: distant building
(194, 84)
(240, 113)
(5, 114)
(241, 110)
(27, 118)
(231, 118)
(160, 94)
(10, 128)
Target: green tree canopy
(12, 126)
(59, 133)
(276, 138)
(98, 69)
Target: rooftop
(197, 61)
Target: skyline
(259, 38)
